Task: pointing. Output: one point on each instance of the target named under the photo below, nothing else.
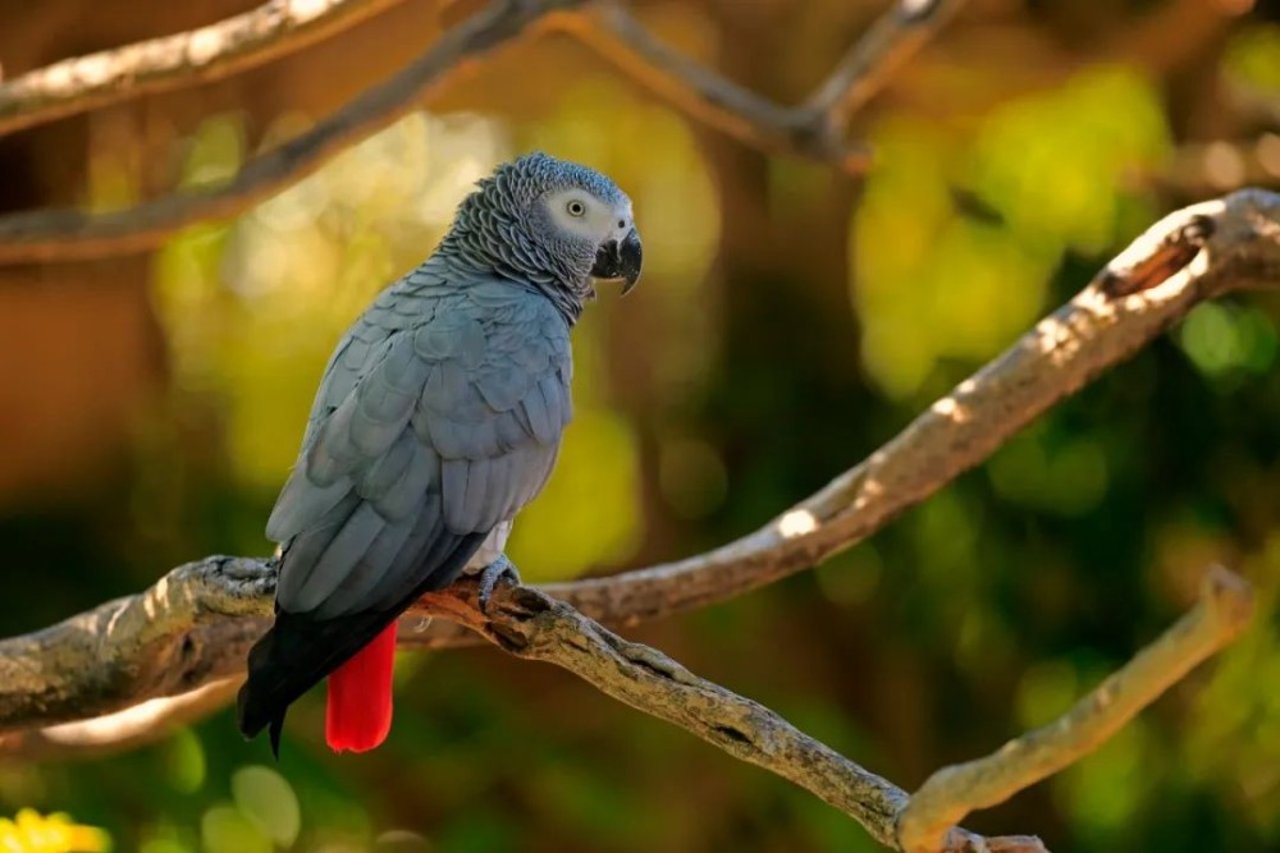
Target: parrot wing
(439, 416)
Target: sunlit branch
(192, 627)
(1226, 603)
(113, 733)
(1193, 254)
(219, 50)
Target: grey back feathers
(446, 401)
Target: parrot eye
(576, 208)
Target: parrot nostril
(622, 223)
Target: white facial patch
(580, 213)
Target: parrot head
(559, 225)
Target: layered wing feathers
(440, 401)
(438, 417)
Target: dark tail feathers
(299, 651)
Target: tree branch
(193, 626)
(814, 130)
(67, 234)
(694, 89)
(531, 625)
(1225, 607)
(1197, 253)
(196, 624)
(219, 50)
(109, 734)
(892, 40)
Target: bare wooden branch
(109, 734)
(209, 53)
(892, 40)
(700, 93)
(1226, 604)
(60, 235)
(534, 626)
(194, 626)
(197, 622)
(531, 625)
(1240, 240)
(815, 129)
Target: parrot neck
(566, 289)
(489, 234)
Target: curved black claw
(489, 577)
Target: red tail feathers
(358, 716)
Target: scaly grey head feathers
(552, 223)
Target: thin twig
(219, 50)
(196, 623)
(1226, 604)
(892, 40)
(815, 130)
(60, 235)
(704, 95)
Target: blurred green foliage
(1039, 194)
(705, 403)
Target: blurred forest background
(789, 321)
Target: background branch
(892, 40)
(814, 130)
(135, 726)
(60, 235)
(1225, 606)
(703, 95)
(209, 53)
(197, 622)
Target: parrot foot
(490, 575)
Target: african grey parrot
(439, 416)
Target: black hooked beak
(620, 260)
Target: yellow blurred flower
(31, 832)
